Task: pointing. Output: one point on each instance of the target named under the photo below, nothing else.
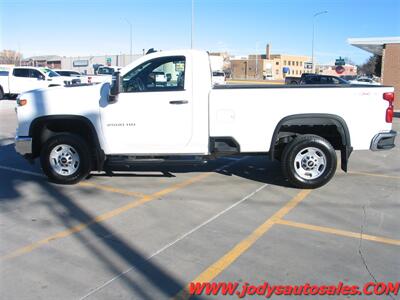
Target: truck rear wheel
(65, 158)
(309, 161)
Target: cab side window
(35, 74)
(21, 72)
(160, 74)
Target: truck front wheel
(309, 161)
(65, 158)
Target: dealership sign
(80, 63)
(339, 69)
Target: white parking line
(177, 240)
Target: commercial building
(83, 64)
(389, 49)
(270, 66)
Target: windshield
(49, 72)
(68, 73)
(218, 74)
(105, 70)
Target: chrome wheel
(310, 163)
(64, 160)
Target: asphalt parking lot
(146, 234)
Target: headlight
(21, 102)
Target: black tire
(326, 165)
(81, 148)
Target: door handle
(179, 102)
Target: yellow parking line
(225, 261)
(335, 231)
(111, 189)
(375, 175)
(103, 217)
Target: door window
(35, 74)
(21, 72)
(160, 74)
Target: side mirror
(115, 88)
(41, 77)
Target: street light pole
(130, 37)
(256, 61)
(313, 37)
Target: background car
(218, 77)
(322, 79)
(74, 76)
(364, 80)
(107, 70)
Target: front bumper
(23, 145)
(383, 141)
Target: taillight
(389, 111)
(388, 96)
(389, 114)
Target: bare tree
(10, 57)
(371, 67)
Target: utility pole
(192, 26)
(313, 37)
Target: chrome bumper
(383, 141)
(23, 145)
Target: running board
(140, 160)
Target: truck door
(153, 114)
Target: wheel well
(331, 127)
(46, 127)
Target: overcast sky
(97, 27)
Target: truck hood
(74, 100)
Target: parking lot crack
(360, 250)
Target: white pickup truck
(78, 129)
(22, 79)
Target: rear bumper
(383, 141)
(23, 145)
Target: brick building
(269, 66)
(389, 49)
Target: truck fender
(37, 124)
(317, 119)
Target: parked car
(78, 129)
(107, 70)
(218, 77)
(311, 78)
(21, 79)
(103, 74)
(75, 76)
(322, 79)
(297, 80)
(364, 80)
